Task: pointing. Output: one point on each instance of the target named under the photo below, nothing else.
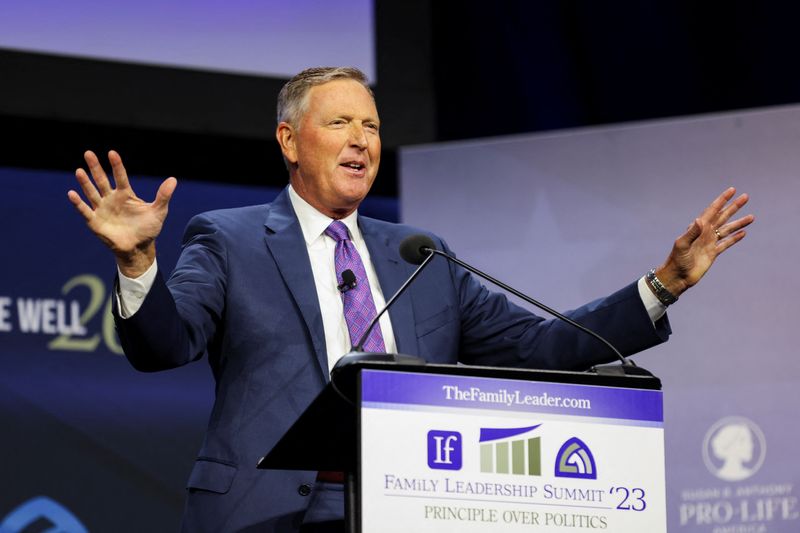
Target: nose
(358, 137)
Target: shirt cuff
(654, 307)
(132, 291)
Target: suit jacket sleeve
(494, 331)
(173, 326)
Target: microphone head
(348, 281)
(348, 278)
(413, 248)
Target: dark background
(445, 70)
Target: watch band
(661, 292)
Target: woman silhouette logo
(734, 449)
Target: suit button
(304, 489)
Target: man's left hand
(706, 238)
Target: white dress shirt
(321, 253)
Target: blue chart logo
(575, 459)
(41, 510)
(444, 450)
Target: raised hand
(707, 237)
(124, 222)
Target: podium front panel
(460, 453)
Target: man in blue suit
(256, 290)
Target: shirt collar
(313, 223)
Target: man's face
(335, 150)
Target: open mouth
(353, 165)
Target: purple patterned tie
(359, 308)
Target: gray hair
(293, 98)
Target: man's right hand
(124, 222)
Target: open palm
(124, 222)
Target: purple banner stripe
(511, 395)
(489, 434)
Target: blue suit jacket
(243, 295)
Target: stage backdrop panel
(264, 38)
(572, 215)
(88, 443)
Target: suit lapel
(284, 239)
(392, 272)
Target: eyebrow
(352, 117)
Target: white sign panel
(455, 453)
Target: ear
(285, 135)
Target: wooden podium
(463, 448)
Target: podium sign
(461, 453)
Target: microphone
(357, 354)
(417, 249)
(348, 281)
(423, 262)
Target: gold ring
(719, 236)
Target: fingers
(98, 174)
(87, 187)
(711, 212)
(76, 200)
(695, 229)
(99, 185)
(731, 209)
(120, 174)
(732, 227)
(730, 240)
(164, 193)
(728, 232)
(717, 214)
(94, 191)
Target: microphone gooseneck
(422, 264)
(418, 248)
